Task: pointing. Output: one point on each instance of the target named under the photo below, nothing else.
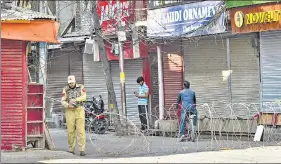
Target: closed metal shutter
(173, 81)
(133, 69)
(76, 66)
(94, 80)
(245, 77)
(204, 62)
(57, 73)
(62, 63)
(270, 59)
(13, 94)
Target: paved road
(109, 148)
(33, 156)
(109, 145)
(251, 155)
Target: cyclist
(188, 99)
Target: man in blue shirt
(188, 99)
(142, 96)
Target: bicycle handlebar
(182, 106)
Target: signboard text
(182, 19)
(256, 18)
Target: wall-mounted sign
(256, 18)
(193, 19)
(152, 4)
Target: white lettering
(164, 2)
(199, 13)
(178, 16)
(204, 12)
(184, 15)
(171, 17)
(194, 13)
(190, 15)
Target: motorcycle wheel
(88, 125)
(100, 126)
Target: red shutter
(173, 79)
(13, 94)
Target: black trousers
(142, 114)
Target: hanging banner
(193, 19)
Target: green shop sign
(240, 3)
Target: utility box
(35, 115)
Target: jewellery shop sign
(257, 18)
(193, 19)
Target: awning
(30, 30)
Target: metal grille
(204, 62)
(245, 77)
(13, 94)
(270, 58)
(133, 69)
(94, 80)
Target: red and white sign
(128, 51)
(112, 11)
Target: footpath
(251, 155)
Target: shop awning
(24, 24)
(30, 30)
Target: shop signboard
(257, 18)
(153, 4)
(187, 20)
(240, 3)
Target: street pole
(106, 66)
(160, 83)
(122, 79)
(122, 37)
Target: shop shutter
(13, 94)
(245, 77)
(94, 80)
(204, 62)
(61, 64)
(133, 69)
(76, 66)
(270, 59)
(173, 81)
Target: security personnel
(73, 97)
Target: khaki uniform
(75, 117)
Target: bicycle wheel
(191, 130)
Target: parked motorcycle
(95, 119)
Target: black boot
(82, 153)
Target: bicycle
(189, 118)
